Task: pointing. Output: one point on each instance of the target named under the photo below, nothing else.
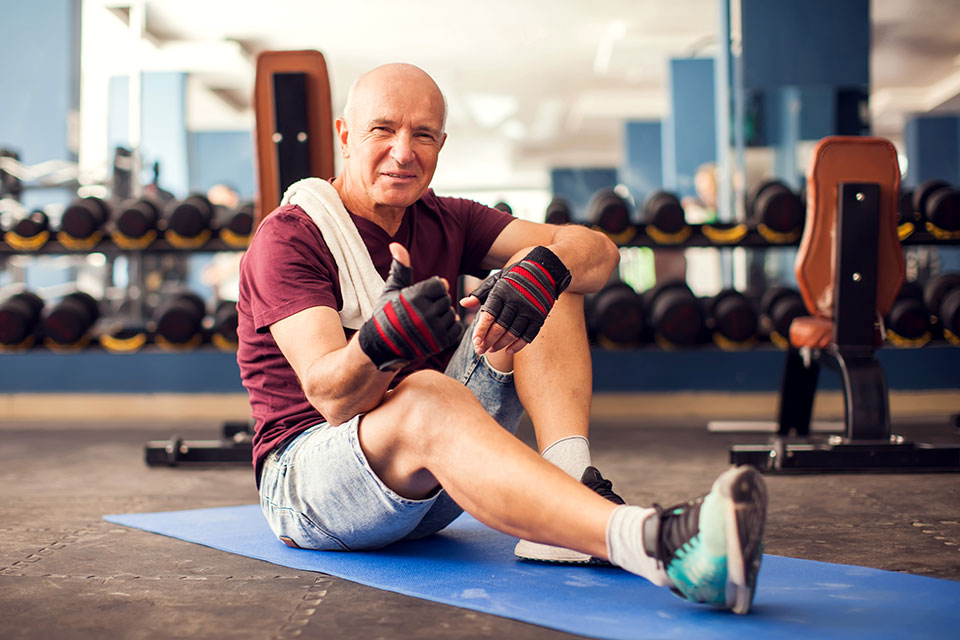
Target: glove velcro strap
(552, 267)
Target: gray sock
(625, 543)
(572, 454)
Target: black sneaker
(526, 550)
(711, 547)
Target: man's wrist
(553, 265)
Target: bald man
(387, 432)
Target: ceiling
(530, 83)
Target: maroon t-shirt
(288, 268)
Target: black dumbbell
(124, 336)
(135, 223)
(179, 322)
(29, 232)
(615, 315)
(610, 213)
(558, 212)
(908, 323)
(188, 222)
(942, 298)
(674, 314)
(732, 319)
(225, 326)
(776, 211)
(236, 226)
(665, 218)
(908, 218)
(939, 203)
(81, 225)
(778, 308)
(503, 206)
(20, 319)
(69, 321)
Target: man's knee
(429, 398)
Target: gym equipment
(675, 315)
(472, 566)
(235, 227)
(778, 308)
(939, 204)
(850, 268)
(30, 232)
(732, 320)
(135, 224)
(234, 447)
(224, 331)
(188, 223)
(68, 323)
(120, 336)
(294, 136)
(908, 323)
(179, 322)
(776, 212)
(81, 226)
(610, 214)
(615, 316)
(558, 212)
(10, 185)
(908, 218)
(503, 206)
(19, 320)
(664, 217)
(942, 299)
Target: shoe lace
(678, 525)
(601, 485)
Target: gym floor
(65, 573)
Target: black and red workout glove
(521, 295)
(410, 321)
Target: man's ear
(442, 141)
(342, 132)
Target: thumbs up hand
(410, 320)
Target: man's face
(393, 140)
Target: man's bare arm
(337, 377)
(589, 255)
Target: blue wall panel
(933, 149)
(642, 172)
(222, 157)
(690, 133)
(805, 42)
(163, 131)
(40, 48)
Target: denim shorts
(319, 491)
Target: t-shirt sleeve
(287, 269)
(482, 226)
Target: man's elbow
(608, 253)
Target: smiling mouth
(399, 176)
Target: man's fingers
(400, 253)
(480, 332)
(470, 302)
(505, 340)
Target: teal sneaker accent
(711, 547)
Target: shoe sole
(537, 552)
(745, 495)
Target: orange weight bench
(849, 269)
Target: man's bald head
(393, 76)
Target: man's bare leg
(432, 431)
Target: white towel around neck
(360, 284)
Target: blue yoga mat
(472, 566)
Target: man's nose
(402, 150)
